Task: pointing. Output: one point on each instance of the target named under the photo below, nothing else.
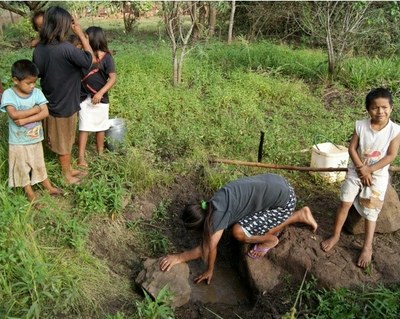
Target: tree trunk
(231, 20)
(212, 19)
(12, 18)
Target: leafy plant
(159, 308)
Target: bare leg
(269, 240)
(100, 142)
(65, 161)
(30, 194)
(83, 137)
(366, 253)
(341, 215)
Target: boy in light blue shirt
(26, 106)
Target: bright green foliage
(159, 308)
(228, 95)
(369, 304)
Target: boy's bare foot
(56, 192)
(38, 206)
(83, 164)
(327, 245)
(365, 258)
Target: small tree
(335, 22)
(173, 14)
(19, 7)
(231, 21)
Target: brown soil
(112, 242)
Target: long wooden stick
(287, 167)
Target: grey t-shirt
(248, 195)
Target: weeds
(229, 94)
(159, 308)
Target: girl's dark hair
(36, 15)
(97, 39)
(376, 94)
(21, 69)
(56, 25)
(195, 217)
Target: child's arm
(387, 159)
(212, 255)
(366, 179)
(15, 114)
(77, 29)
(112, 78)
(22, 117)
(353, 150)
(171, 260)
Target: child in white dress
(97, 81)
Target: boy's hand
(20, 122)
(366, 180)
(363, 170)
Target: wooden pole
(287, 167)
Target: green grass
(228, 95)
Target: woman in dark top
(256, 207)
(60, 65)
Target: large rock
(152, 279)
(388, 220)
(299, 252)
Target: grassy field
(228, 95)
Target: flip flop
(259, 250)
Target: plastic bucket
(329, 155)
(116, 133)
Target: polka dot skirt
(261, 222)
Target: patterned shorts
(261, 222)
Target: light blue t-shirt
(30, 133)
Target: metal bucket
(115, 135)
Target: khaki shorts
(60, 133)
(26, 165)
(368, 201)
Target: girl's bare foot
(76, 172)
(365, 258)
(309, 219)
(259, 250)
(327, 245)
(71, 179)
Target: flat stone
(152, 279)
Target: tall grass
(228, 95)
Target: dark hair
(21, 69)
(36, 15)
(376, 94)
(74, 39)
(97, 39)
(193, 216)
(57, 23)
